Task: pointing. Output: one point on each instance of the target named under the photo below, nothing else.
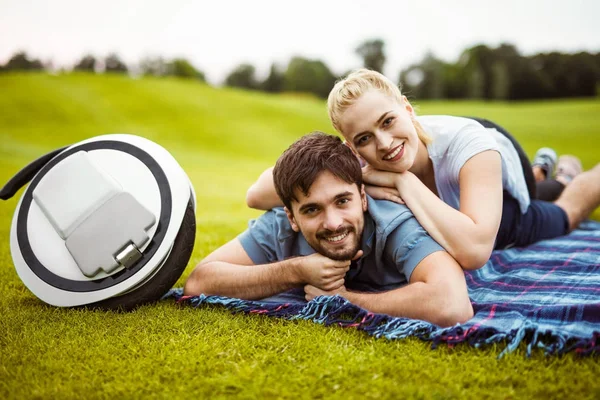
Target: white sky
(218, 35)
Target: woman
(463, 182)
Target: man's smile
(338, 238)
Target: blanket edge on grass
(336, 310)
(551, 331)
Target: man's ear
(363, 198)
(291, 219)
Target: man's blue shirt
(393, 243)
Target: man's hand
(311, 292)
(323, 272)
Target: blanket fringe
(336, 310)
(552, 343)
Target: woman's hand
(384, 193)
(375, 177)
(384, 185)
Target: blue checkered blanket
(546, 295)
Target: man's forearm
(417, 300)
(242, 281)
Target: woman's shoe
(568, 167)
(546, 159)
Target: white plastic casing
(131, 175)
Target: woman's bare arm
(262, 195)
(468, 234)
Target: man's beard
(342, 254)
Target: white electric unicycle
(108, 222)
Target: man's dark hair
(305, 159)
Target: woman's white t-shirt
(455, 141)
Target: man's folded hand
(311, 292)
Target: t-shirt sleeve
(408, 245)
(260, 239)
(470, 141)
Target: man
(333, 239)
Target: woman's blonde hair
(348, 90)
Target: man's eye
(343, 201)
(309, 211)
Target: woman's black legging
(548, 190)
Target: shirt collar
(304, 248)
(368, 235)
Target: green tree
(555, 66)
(184, 69)
(113, 63)
(505, 61)
(454, 81)
(309, 76)
(242, 76)
(477, 66)
(596, 58)
(21, 62)
(500, 81)
(529, 82)
(372, 54)
(275, 81)
(584, 74)
(426, 79)
(87, 63)
(476, 83)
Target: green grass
(224, 139)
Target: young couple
(458, 190)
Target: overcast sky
(218, 35)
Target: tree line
(502, 73)
(481, 72)
(150, 66)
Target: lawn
(223, 139)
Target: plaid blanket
(546, 295)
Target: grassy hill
(224, 138)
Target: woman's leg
(544, 163)
(547, 220)
(543, 220)
(567, 168)
(525, 164)
(581, 197)
(549, 190)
